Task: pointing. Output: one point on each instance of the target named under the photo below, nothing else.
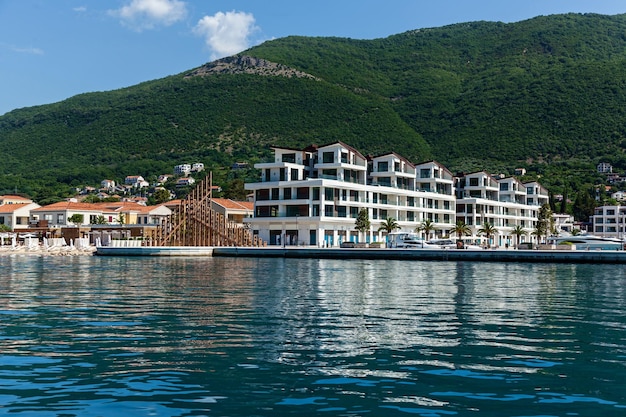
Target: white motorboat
(588, 242)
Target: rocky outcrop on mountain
(243, 64)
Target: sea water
(96, 336)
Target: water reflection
(88, 336)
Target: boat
(403, 240)
(588, 242)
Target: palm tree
(389, 225)
(537, 232)
(488, 230)
(427, 226)
(461, 229)
(518, 231)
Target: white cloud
(22, 50)
(226, 33)
(146, 14)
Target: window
(329, 174)
(383, 167)
(275, 195)
(328, 210)
(328, 157)
(289, 157)
(294, 174)
(424, 173)
(1, 219)
(303, 193)
(344, 157)
(316, 210)
(384, 181)
(341, 211)
(263, 195)
(316, 193)
(60, 219)
(473, 182)
(329, 194)
(287, 194)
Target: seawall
(480, 255)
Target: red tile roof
(234, 205)
(11, 208)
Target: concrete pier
(479, 255)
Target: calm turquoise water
(92, 336)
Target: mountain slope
(547, 93)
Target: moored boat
(588, 242)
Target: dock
(471, 255)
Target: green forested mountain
(547, 94)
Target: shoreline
(42, 251)
(479, 255)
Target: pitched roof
(229, 204)
(113, 206)
(13, 197)
(11, 208)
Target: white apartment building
(503, 202)
(313, 196)
(609, 221)
(183, 169)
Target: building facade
(609, 221)
(313, 196)
(505, 203)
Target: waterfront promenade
(478, 255)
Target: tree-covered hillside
(547, 94)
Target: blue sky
(53, 49)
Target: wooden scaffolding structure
(194, 223)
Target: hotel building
(503, 202)
(609, 221)
(313, 196)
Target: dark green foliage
(362, 222)
(547, 94)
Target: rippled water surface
(92, 336)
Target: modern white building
(313, 196)
(183, 169)
(609, 221)
(505, 203)
(604, 168)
